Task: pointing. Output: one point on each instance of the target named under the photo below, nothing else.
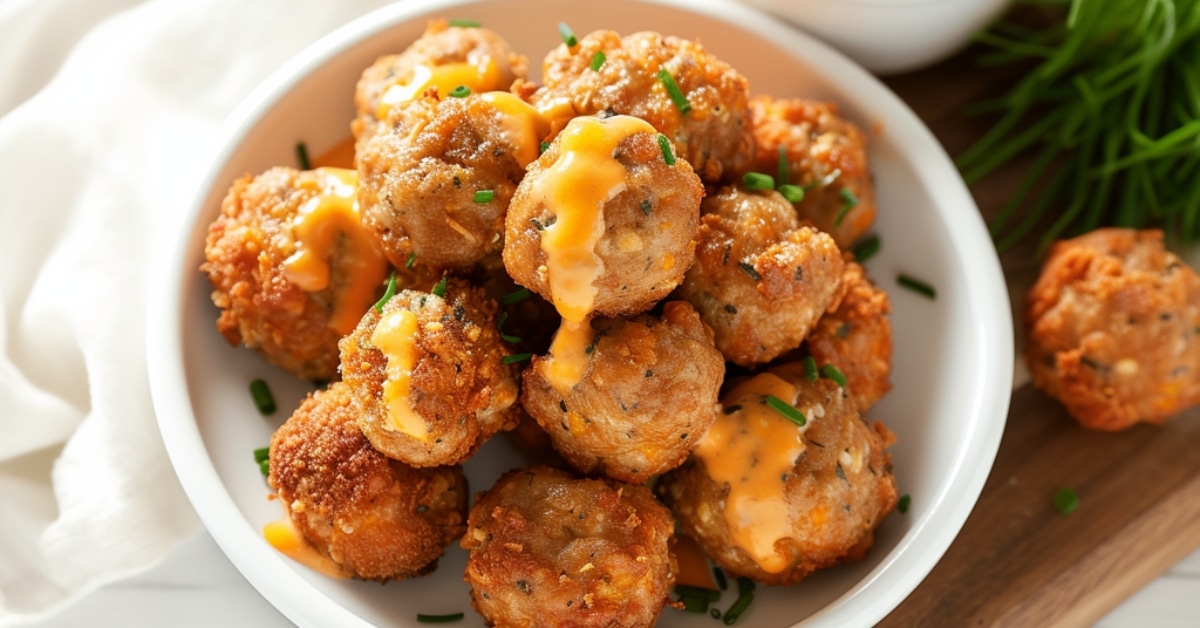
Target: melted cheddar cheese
(329, 225)
(479, 75)
(753, 449)
(395, 336)
(521, 126)
(283, 536)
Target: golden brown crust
(244, 259)
(649, 392)
(378, 518)
(714, 136)
(548, 549)
(1112, 323)
(649, 228)
(760, 281)
(840, 490)
(856, 337)
(827, 156)
(460, 386)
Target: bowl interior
(952, 361)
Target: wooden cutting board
(1018, 561)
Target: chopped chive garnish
(465, 23)
(484, 196)
(810, 368)
(439, 619)
(749, 270)
(412, 259)
(903, 504)
(739, 607)
(263, 398)
(745, 585)
(598, 60)
(715, 613)
(693, 604)
(1066, 501)
(568, 36)
(440, 288)
(511, 339)
(866, 249)
(516, 296)
(788, 411)
(916, 285)
(302, 156)
(265, 467)
(781, 174)
(832, 372)
(516, 357)
(793, 193)
(719, 574)
(390, 290)
(542, 147)
(665, 146)
(673, 91)
(757, 181)
(462, 91)
(700, 592)
(849, 202)
(262, 453)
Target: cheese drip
(480, 75)
(329, 225)
(283, 536)
(521, 126)
(395, 336)
(575, 189)
(753, 450)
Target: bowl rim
(301, 602)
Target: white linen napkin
(111, 111)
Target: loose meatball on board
(823, 153)
(430, 374)
(647, 395)
(436, 182)
(442, 59)
(372, 517)
(292, 266)
(1113, 323)
(788, 480)
(695, 99)
(760, 280)
(549, 549)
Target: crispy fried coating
(856, 337)
(773, 501)
(826, 155)
(1113, 321)
(760, 281)
(649, 225)
(263, 305)
(430, 376)
(377, 518)
(548, 549)
(714, 136)
(492, 62)
(649, 392)
(420, 176)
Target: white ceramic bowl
(890, 36)
(953, 355)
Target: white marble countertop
(196, 586)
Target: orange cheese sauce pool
(752, 448)
(283, 536)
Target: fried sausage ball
(714, 136)
(649, 392)
(430, 376)
(826, 154)
(444, 57)
(634, 250)
(377, 518)
(856, 337)
(774, 501)
(282, 287)
(549, 549)
(760, 280)
(424, 174)
(1112, 324)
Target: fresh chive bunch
(1112, 109)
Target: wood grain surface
(1018, 561)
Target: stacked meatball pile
(693, 284)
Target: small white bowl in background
(952, 362)
(890, 36)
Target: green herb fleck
(916, 285)
(830, 371)
(390, 290)
(673, 91)
(788, 411)
(568, 36)
(866, 249)
(665, 146)
(516, 296)
(439, 619)
(793, 193)
(465, 23)
(749, 270)
(302, 156)
(1066, 501)
(484, 196)
(810, 368)
(440, 289)
(902, 505)
(757, 181)
(598, 60)
(462, 91)
(263, 399)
